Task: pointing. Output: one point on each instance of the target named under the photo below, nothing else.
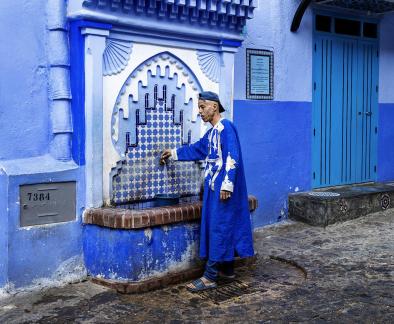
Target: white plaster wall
(386, 63)
(112, 85)
(270, 29)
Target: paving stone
(343, 273)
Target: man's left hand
(224, 195)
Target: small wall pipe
(59, 80)
(299, 14)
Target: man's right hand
(165, 155)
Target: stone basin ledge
(121, 218)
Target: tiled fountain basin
(337, 204)
(139, 250)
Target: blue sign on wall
(259, 74)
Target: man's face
(207, 109)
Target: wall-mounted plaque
(259, 74)
(47, 203)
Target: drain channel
(292, 263)
(227, 291)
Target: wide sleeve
(231, 156)
(192, 152)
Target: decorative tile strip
(135, 219)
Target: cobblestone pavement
(341, 274)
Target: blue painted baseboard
(385, 143)
(3, 229)
(276, 145)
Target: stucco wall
(47, 253)
(270, 29)
(386, 60)
(275, 134)
(386, 100)
(24, 117)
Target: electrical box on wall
(47, 203)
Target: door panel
(344, 111)
(367, 113)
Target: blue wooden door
(345, 87)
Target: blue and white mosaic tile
(158, 125)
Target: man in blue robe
(225, 222)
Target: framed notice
(259, 74)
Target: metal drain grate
(226, 291)
(324, 194)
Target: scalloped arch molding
(115, 56)
(210, 64)
(154, 109)
(164, 64)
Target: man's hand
(165, 155)
(224, 195)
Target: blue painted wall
(276, 135)
(77, 75)
(276, 145)
(33, 254)
(136, 254)
(38, 252)
(270, 30)
(23, 92)
(386, 100)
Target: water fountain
(140, 96)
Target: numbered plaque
(259, 74)
(47, 203)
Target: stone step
(327, 206)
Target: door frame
(361, 40)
